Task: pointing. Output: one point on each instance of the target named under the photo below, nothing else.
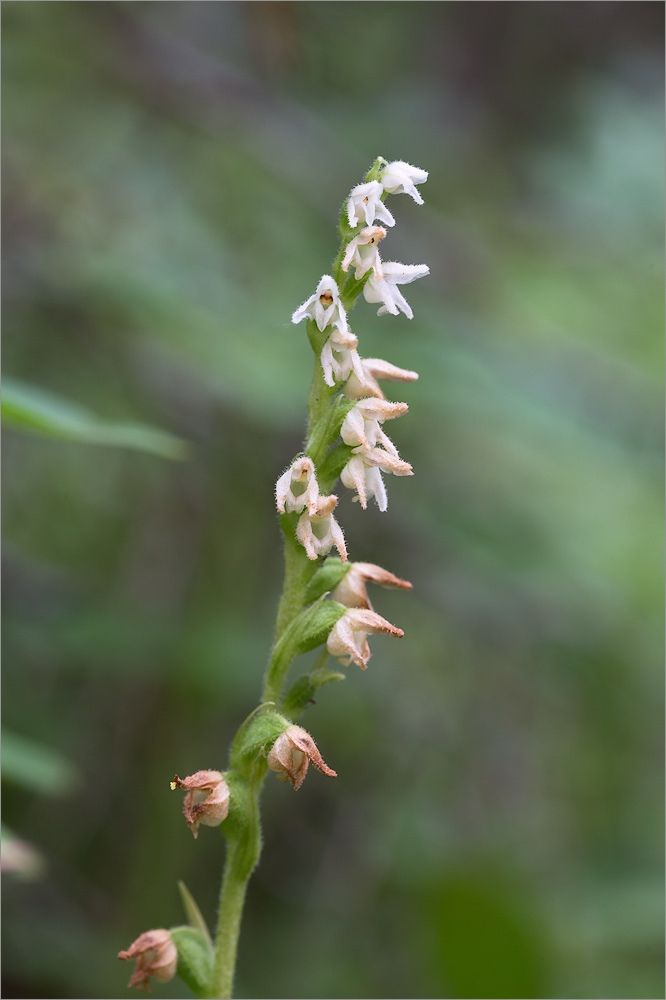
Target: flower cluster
(361, 429)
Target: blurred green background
(172, 178)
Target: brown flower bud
(155, 955)
(347, 639)
(207, 800)
(291, 754)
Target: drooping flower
(362, 473)
(374, 369)
(361, 426)
(155, 954)
(291, 754)
(319, 532)
(352, 591)
(386, 290)
(339, 357)
(324, 307)
(207, 799)
(347, 639)
(363, 252)
(400, 177)
(365, 203)
(297, 488)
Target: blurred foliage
(172, 175)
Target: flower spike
(347, 639)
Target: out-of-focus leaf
(35, 766)
(192, 911)
(32, 409)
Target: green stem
(242, 856)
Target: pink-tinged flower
(386, 290)
(155, 955)
(363, 252)
(372, 370)
(399, 177)
(297, 488)
(319, 532)
(361, 426)
(339, 357)
(347, 639)
(362, 473)
(207, 799)
(352, 592)
(365, 204)
(291, 754)
(324, 307)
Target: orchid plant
(324, 600)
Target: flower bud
(155, 955)
(207, 799)
(291, 754)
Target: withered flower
(207, 799)
(291, 754)
(352, 592)
(155, 955)
(347, 639)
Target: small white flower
(400, 177)
(339, 357)
(319, 532)
(361, 426)
(324, 307)
(385, 290)
(362, 473)
(297, 487)
(347, 639)
(363, 252)
(373, 369)
(352, 591)
(365, 202)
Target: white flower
(319, 532)
(363, 252)
(347, 639)
(361, 426)
(400, 177)
(365, 202)
(385, 290)
(352, 592)
(373, 369)
(323, 307)
(339, 357)
(362, 473)
(297, 487)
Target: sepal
(195, 958)
(302, 691)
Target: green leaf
(326, 578)
(35, 410)
(192, 911)
(302, 691)
(35, 766)
(195, 958)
